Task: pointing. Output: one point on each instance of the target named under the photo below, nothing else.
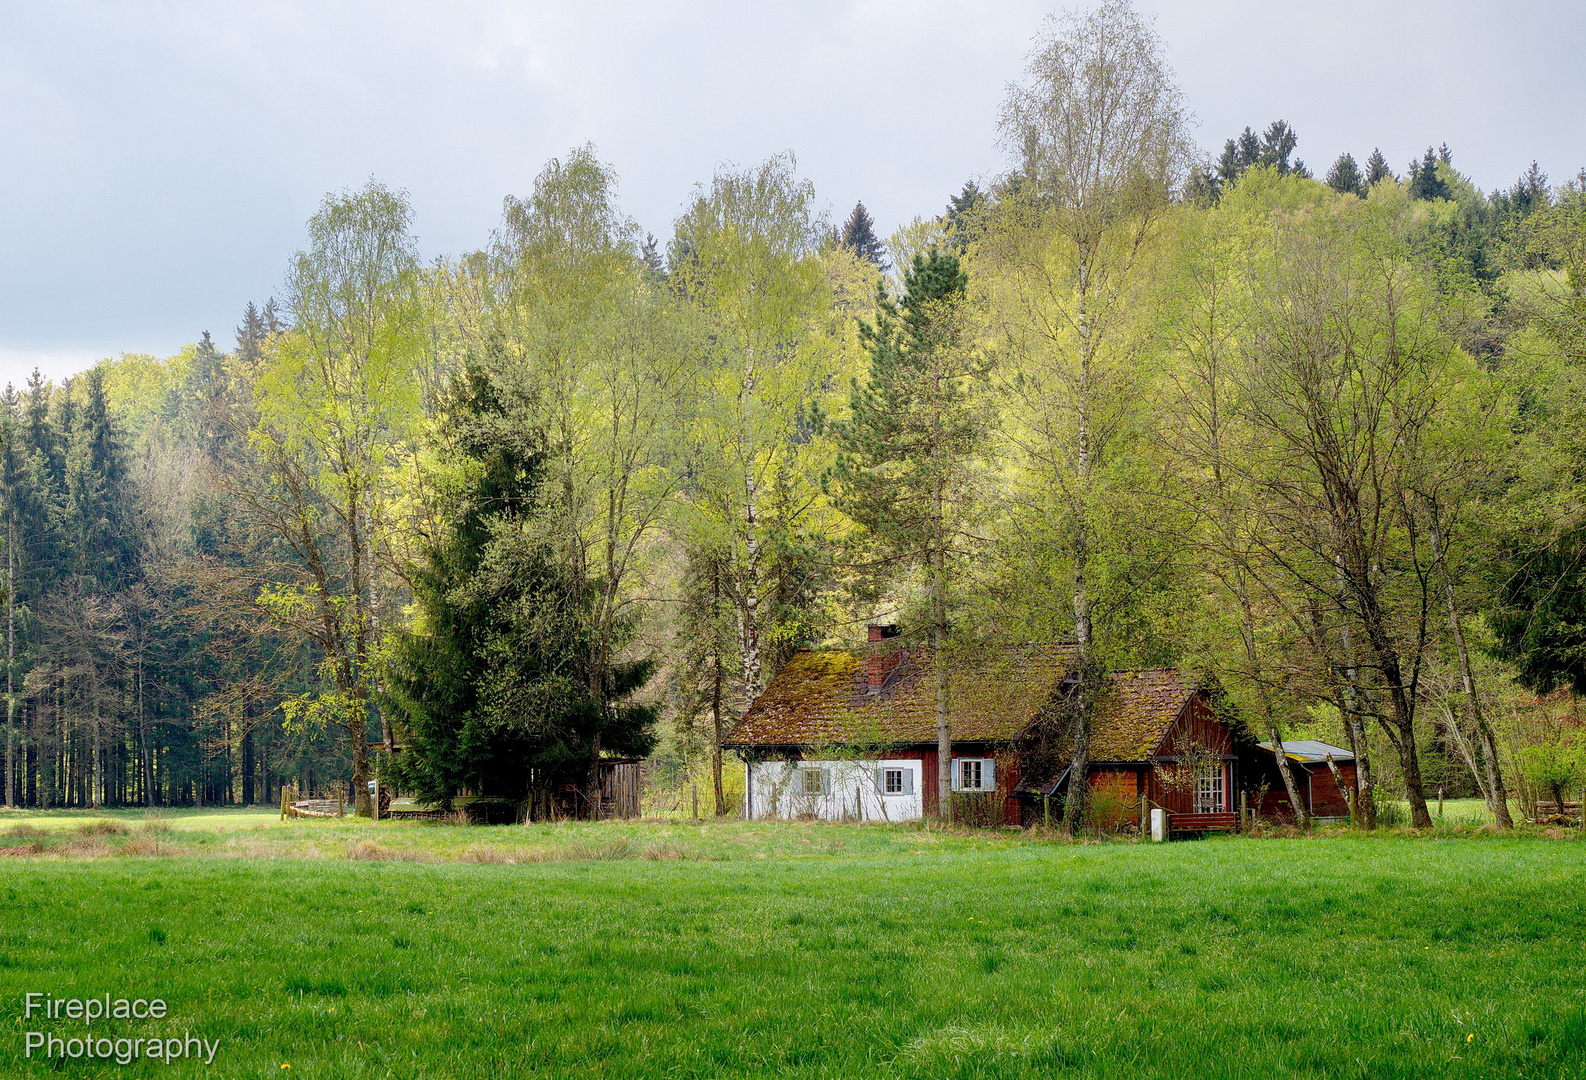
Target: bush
(976, 809)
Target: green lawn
(630, 950)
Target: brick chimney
(881, 661)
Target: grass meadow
(332, 949)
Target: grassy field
(331, 949)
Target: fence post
(1159, 829)
(695, 788)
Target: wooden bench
(1226, 822)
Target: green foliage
(1555, 765)
(1346, 178)
(919, 419)
(1426, 180)
(858, 235)
(491, 691)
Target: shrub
(976, 809)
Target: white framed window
(1209, 791)
(812, 782)
(974, 774)
(897, 781)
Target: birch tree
(337, 408)
(747, 255)
(1098, 131)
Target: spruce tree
(251, 336)
(1345, 178)
(1377, 169)
(963, 212)
(1277, 144)
(489, 694)
(859, 236)
(654, 262)
(1425, 182)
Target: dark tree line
(135, 674)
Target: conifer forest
(1315, 428)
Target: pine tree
(859, 236)
(906, 451)
(1525, 196)
(1344, 177)
(99, 498)
(1248, 150)
(1377, 169)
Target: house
(841, 735)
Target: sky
(158, 160)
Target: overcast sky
(158, 160)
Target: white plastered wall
(850, 789)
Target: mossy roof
(821, 697)
(1136, 712)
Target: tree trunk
(718, 679)
(1400, 701)
(592, 796)
(718, 728)
(1274, 733)
(944, 735)
(247, 767)
(96, 769)
(145, 751)
(1355, 704)
(360, 766)
(11, 659)
(1079, 772)
(1496, 794)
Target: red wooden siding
(1114, 797)
(1197, 729)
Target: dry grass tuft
(609, 851)
(146, 845)
(86, 847)
(497, 856)
(22, 850)
(27, 832)
(455, 819)
(368, 850)
(102, 828)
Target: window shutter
(908, 781)
(956, 775)
(988, 774)
(826, 781)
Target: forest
(582, 491)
